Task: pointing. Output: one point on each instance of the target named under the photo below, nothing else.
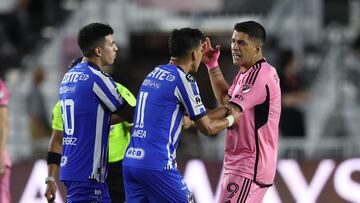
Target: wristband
(230, 119)
(49, 179)
(212, 65)
(53, 158)
(214, 62)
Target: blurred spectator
(17, 32)
(5, 163)
(352, 89)
(39, 121)
(22, 26)
(293, 96)
(353, 68)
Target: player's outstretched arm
(218, 83)
(212, 124)
(53, 159)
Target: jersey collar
(93, 65)
(255, 64)
(260, 61)
(179, 67)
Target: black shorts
(115, 182)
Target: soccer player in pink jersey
(251, 144)
(5, 163)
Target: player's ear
(258, 47)
(193, 55)
(98, 51)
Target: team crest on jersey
(245, 89)
(190, 78)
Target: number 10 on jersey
(67, 108)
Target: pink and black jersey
(251, 144)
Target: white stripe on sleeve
(98, 143)
(191, 95)
(108, 83)
(97, 90)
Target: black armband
(53, 158)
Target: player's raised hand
(50, 192)
(210, 55)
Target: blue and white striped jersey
(165, 95)
(87, 97)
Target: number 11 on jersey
(141, 109)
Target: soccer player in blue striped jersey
(88, 96)
(166, 94)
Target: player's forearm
(215, 126)
(219, 85)
(3, 127)
(3, 137)
(218, 113)
(54, 153)
(56, 142)
(53, 170)
(211, 126)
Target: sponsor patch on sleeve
(190, 78)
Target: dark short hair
(91, 36)
(253, 29)
(184, 40)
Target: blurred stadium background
(320, 165)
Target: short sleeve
(105, 89)
(188, 93)
(56, 121)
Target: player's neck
(254, 61)
(93, 60)
(178, 62)
(245, 67)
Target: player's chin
(237, 62)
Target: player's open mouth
(236, 56)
